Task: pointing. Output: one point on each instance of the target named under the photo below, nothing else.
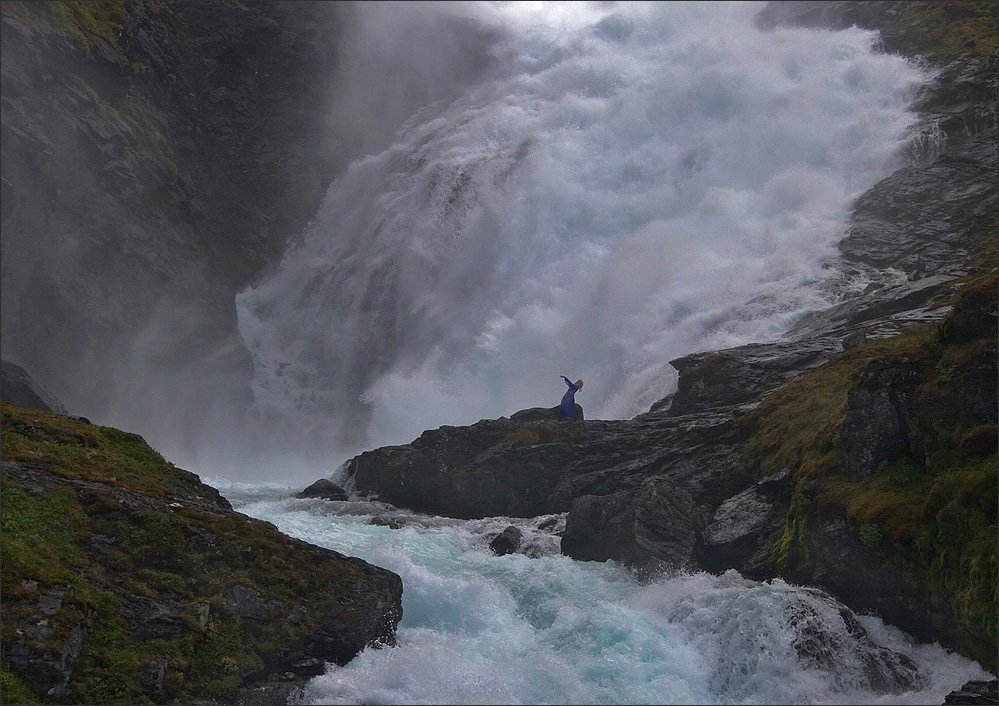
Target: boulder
(323, 488)
(535, 414)
(975, 692)
(507, 542)
(745, 528)
(657, 523)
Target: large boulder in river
(656, 524)
(323, 488)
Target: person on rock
(569, 409)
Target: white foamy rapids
(484, 629)
(629, 184)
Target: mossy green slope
(931, 513)
(176, 597)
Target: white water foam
(484, 629)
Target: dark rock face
(18, 387)
(883, 394)
(174, 160)
(746, 526)
(507, 541)
(323, 488)
(44, 660)
(975, 692)
(655, 524)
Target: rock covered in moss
(128, 580)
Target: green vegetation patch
(13, 690)
(76, 449)
(98, 525)
(943, 528)
(943, 29)
(87, 22)
(932, 512)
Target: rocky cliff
(128, 580)
(857, 454)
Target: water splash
(479, 628)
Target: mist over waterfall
(622, 185)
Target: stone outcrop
(506, 542)
(884, 394)
(975, 692)
(19, 388)
(745, 527)
(119, 561)
(323, 488)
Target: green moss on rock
(934, 507)
(945, 29)
(178, 598)
(88, 22)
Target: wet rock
(598, 527)
(657, 523)
(390, 522)
(746, 526)
(323, 488)
(152, 677)
(975, 692)
(875, 429)
(667, 521)
(507, 542)
(820, 646)
(535, 414)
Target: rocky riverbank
(128, 580)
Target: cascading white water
(628, 183)
(544, 629)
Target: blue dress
(568, 406)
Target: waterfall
(623, 184)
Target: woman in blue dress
(569, 409)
